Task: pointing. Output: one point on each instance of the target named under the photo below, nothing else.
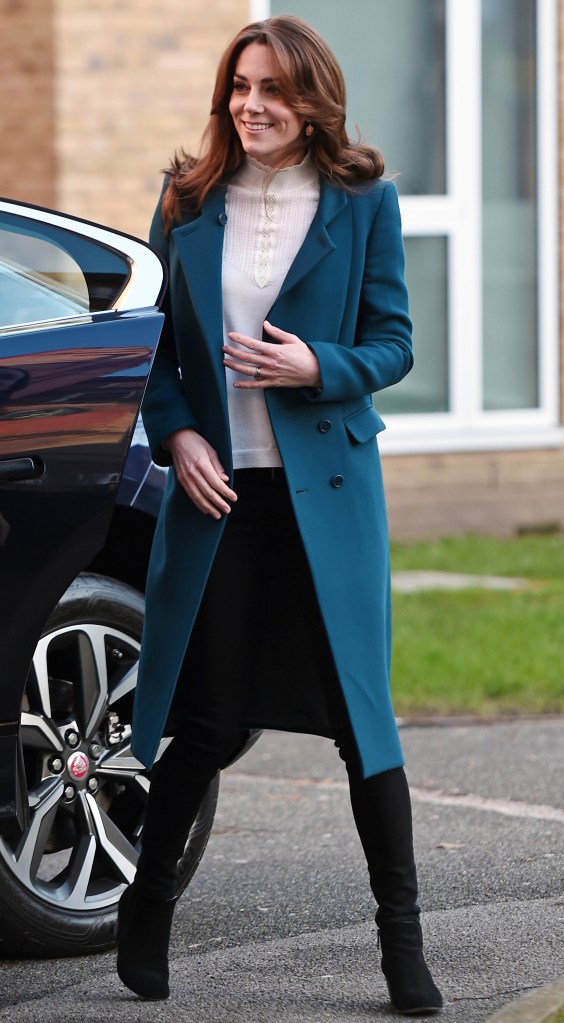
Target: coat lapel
(200, 247)
(318, 242)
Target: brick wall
(495, 492)
(27, 154)
(134, 82)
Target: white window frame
(456, 216)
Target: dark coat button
(324, 426)
(337, 481)
(222, 218)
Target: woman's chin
(259, 152)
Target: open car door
(79, 326)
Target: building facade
(463, 99)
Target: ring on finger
(258, 374)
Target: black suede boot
(144, 923)
(146, 908)
(174, 799)
(410, 985)
(382, 810)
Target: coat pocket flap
(364, 424)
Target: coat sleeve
(165, 407)
(380, 353)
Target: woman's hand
(200, 472)
(287, 363)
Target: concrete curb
(533, 1008)
(414, 582)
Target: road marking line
(437, 797)
(507, 807)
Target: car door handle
(14, 469)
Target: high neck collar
(254, 175)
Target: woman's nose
(254, 101)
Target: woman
(268, 589)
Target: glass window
(425, 389)
(47, 272)
(38, 281)
(461, 98)
(393, 60)
(509, 206)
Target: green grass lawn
(481, 651)
(556, 1017)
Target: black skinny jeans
(261, 570)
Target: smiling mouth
(253, 126)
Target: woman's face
(267, 126)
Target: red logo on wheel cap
(78, 765)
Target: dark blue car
(79, 494)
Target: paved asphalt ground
(277, 926)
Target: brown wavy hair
(311, 83)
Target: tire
(61, 882)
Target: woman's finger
(250, 343)
(206, 497)
(283, 335)
(248, 368)
(205, 482)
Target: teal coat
(345, 296)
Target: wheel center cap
(78, 765)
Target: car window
(50, 273)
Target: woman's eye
(239, 86)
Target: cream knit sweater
(263, 234)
